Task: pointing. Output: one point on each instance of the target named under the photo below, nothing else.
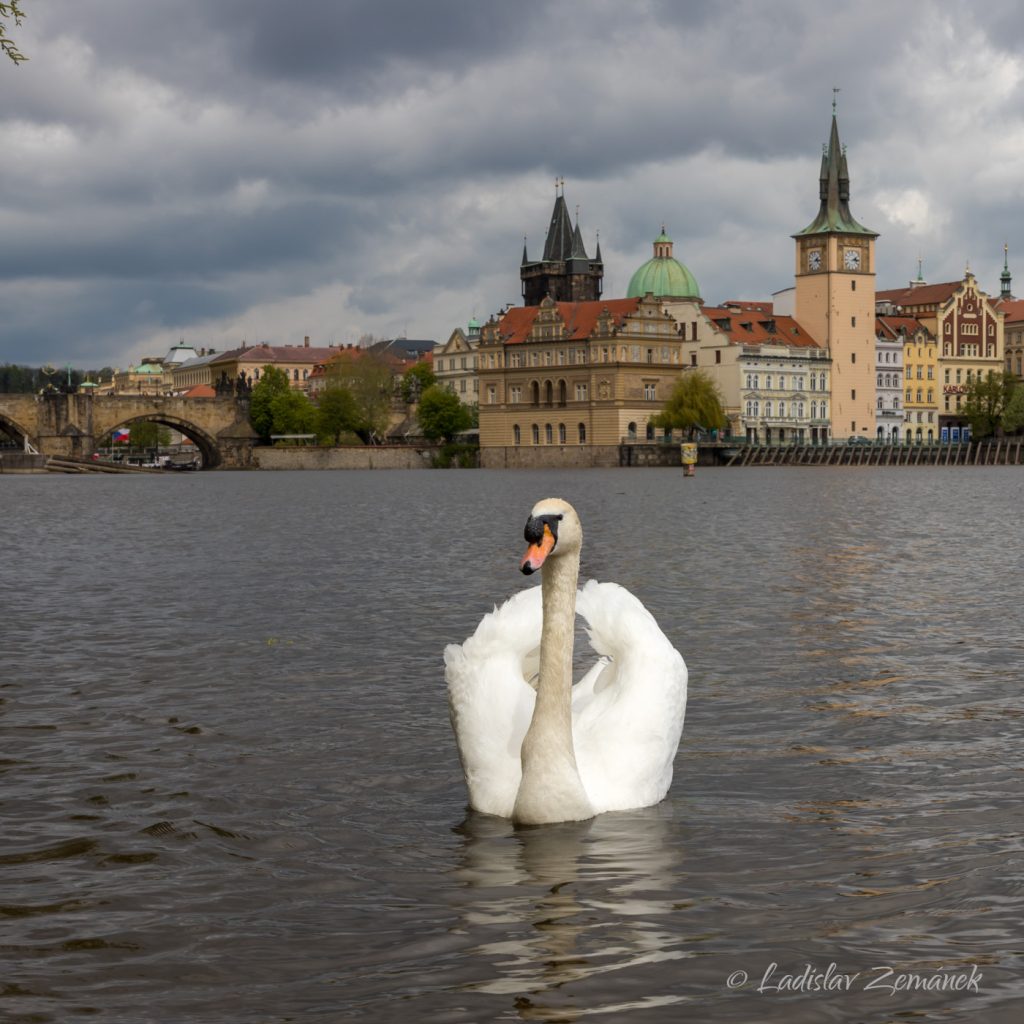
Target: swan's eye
(534, 531)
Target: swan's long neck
(551, 789)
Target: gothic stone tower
(835, 294)
(566, 272)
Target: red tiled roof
(922, 295)
(889, 326)
(749, 328)
(200, 391)
(276, 354)
(580, 318)
(1013, 308)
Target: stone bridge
(56, 424)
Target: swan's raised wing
(628, 721)
(490, 699)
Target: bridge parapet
(74, 425)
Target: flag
(121, 435)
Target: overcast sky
(258, 170)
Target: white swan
(541, 750)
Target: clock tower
(835, 294)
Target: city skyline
(374, 168)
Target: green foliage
(367, 376)
(441, 414)
(1013, 412)
(11, 9)
(291, 412)
(272, 382)
(337, 413)
(416, 380)
(984, 402)
(695, 403)
(463, 456)
(147, 434)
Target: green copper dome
(663, 275)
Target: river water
(230, 791)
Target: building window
(535, 432)
(561, 433)
(492, 394)
(650, 392)
(548, 435)
(631, 431)
(853, 394)
(768, 408)
(693, 358)
(583, 433)
(581, 392)
(718, 355)
(515, 394)
(782, 409)
(853, 323)
(853, 355)
(768, 382)
(516, 437)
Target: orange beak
(536, 553)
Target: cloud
(344, 168)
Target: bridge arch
(206, 444)
(15, 430)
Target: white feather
(628, 708)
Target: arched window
(516, 434)
(548, 434)
(768, 407)
(535, 431)
(583, 433)
(561, 433)
(631, 431)
(650, 431)
(561, 392)
(295, 374)
(549, 394)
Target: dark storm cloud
(333, 168)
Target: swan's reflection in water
(570, 903)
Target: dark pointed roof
(578, 250)
(834, 193)
(560, 234)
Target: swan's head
(553, 529)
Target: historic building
(565, 272)
(968, 331)
(773, 376)
(834, 298)
(455, 363)
(1013, 335)
(296, 361)
(575, 373)
(891, 336)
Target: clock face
(814, 259)
(851, 259)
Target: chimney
(305, 342)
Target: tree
(291, 412)
(984, 402)
(441, 414)
(695, 403)
(147, 434)
(1013, 413)
(337, 413)
(11, 10)
(416, 380)
(272, 382)
(368, 376)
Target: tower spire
(834, 188)
(1005, 281)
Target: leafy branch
(11, 10)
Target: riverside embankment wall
(398, 457)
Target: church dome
(663, 275)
